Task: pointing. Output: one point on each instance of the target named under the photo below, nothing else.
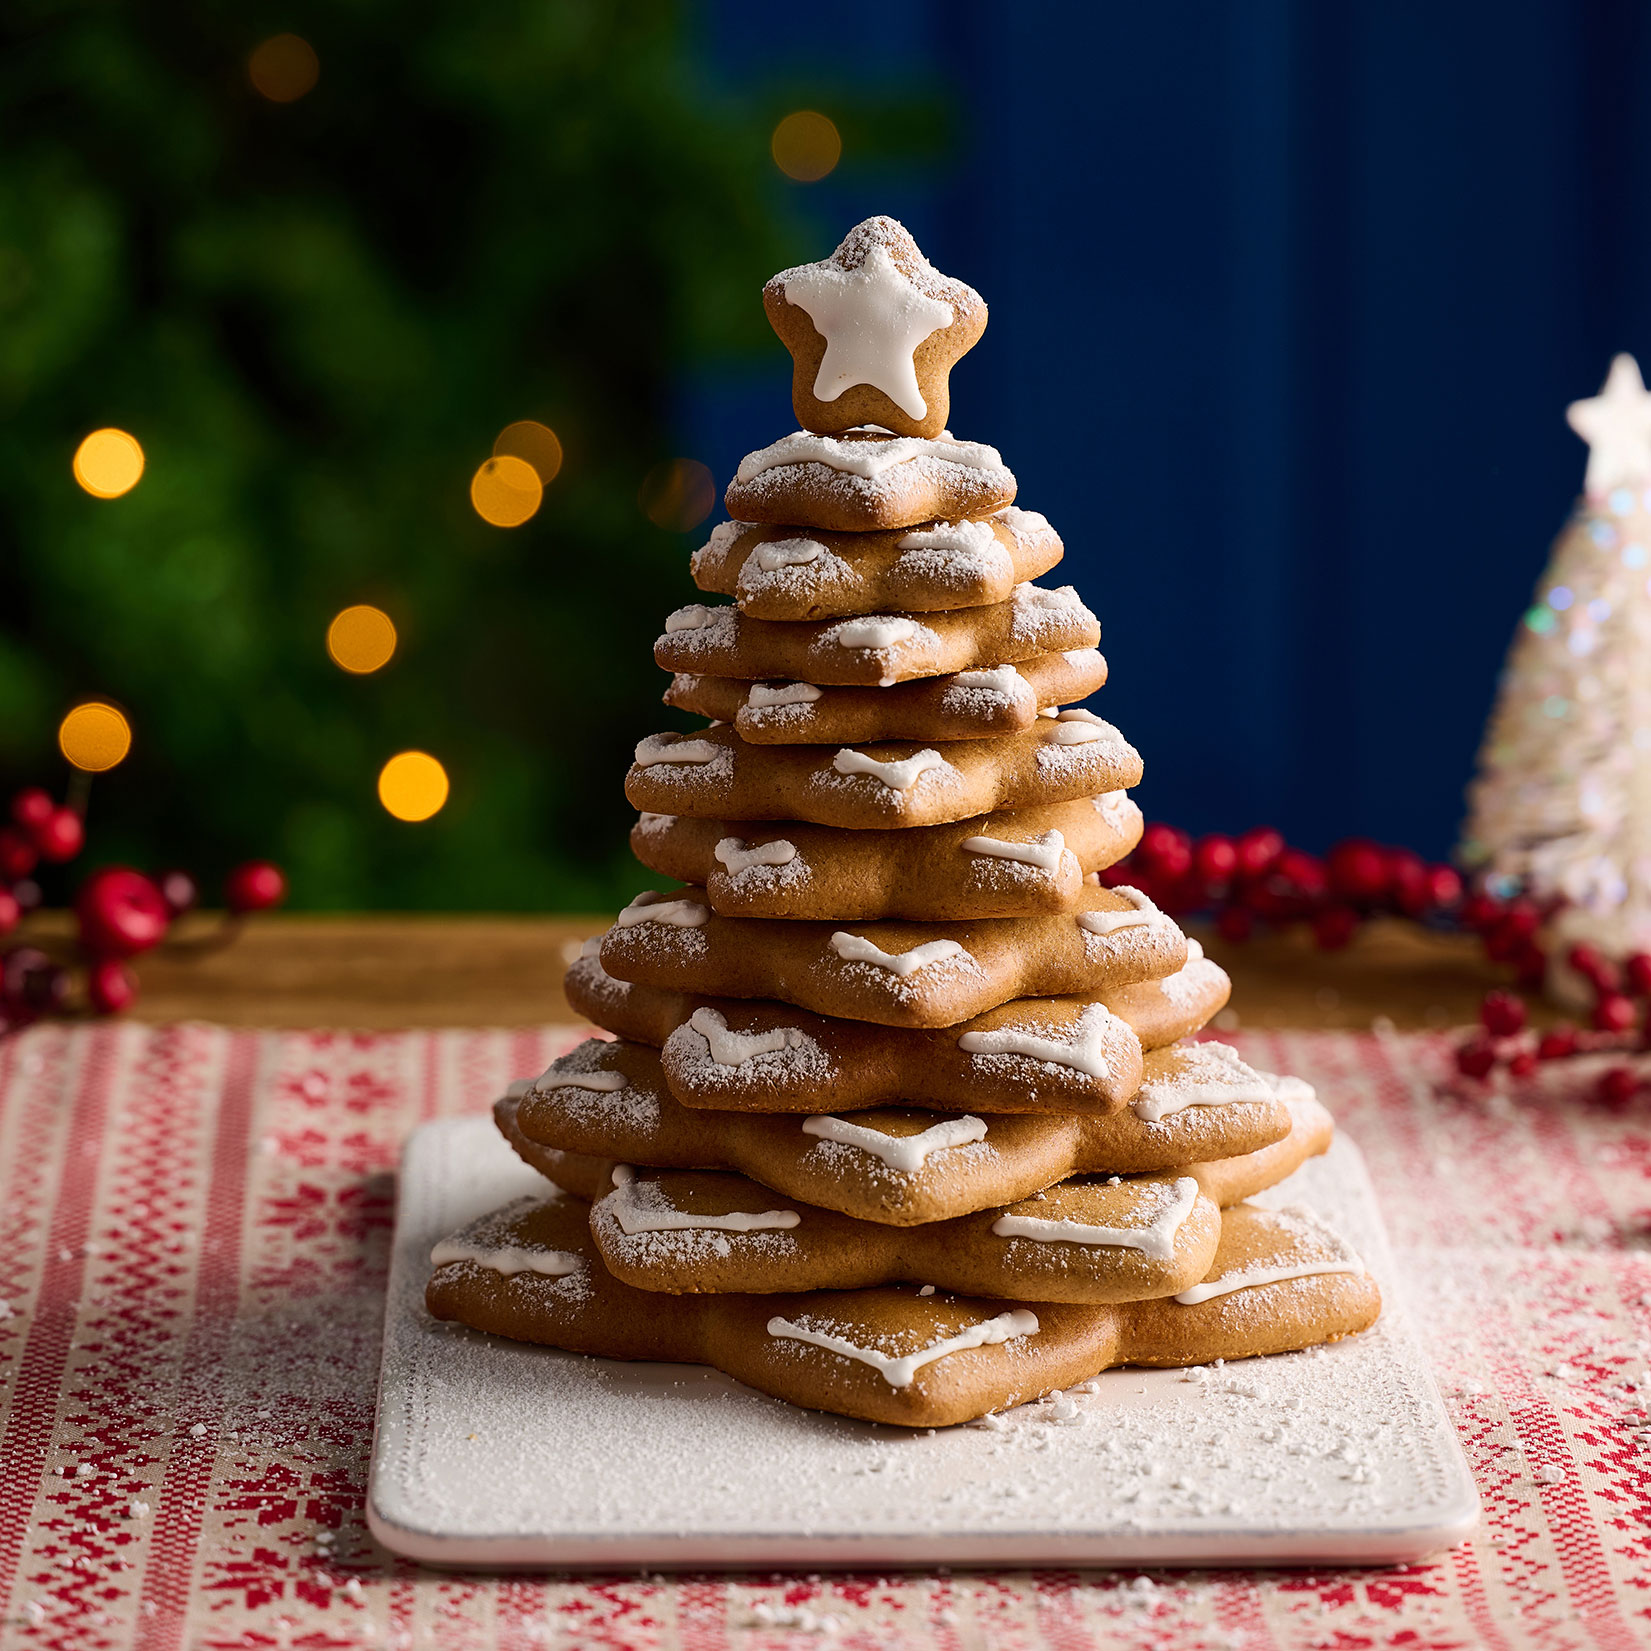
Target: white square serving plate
(490, 1453)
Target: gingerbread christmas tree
(900, 1117)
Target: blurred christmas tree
(1561, 806)
(316, 285)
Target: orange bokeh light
(506, 491)
(412, 785)
(108, 463)
(361, 640)
(94, 736)
(678, 495)
(537, 443)
(806, 146)
(284, 68)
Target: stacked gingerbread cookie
(899, 1117)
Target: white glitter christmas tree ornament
(1561, 805)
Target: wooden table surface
(388, 971)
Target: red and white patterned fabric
(194, 1229)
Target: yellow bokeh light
(284, 68)
(537, 443)
(506, 491)
(806, 146)
(94, 736)
(108, 463)
(678, 495)
(361, 639)
(412, 785)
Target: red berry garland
(119, 912)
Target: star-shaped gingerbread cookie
(873, 330)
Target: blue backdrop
(1288, 297)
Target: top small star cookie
(873, 330)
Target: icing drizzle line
(651, 906)
(634, 1218)
(900, 1372)
(897, 776)
(1043, 852)
(906, 1153)
(1156, 1239)
(855, 948)
(1086, 1052)
(728, 1048)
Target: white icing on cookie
(1345, 1261)
(872, 319)
(657, 748)
(873, 633)
(653, 1215)
(1156, 1239)
(1001, 679)
(651, 906)
(1113, 807)
(1109, 922)
(1209, 1074)
(854, 948)
(787, 553)
(1043, 851)
(761, 696)
(733, 853)
(604, 1083)
(1080, 727)
(906, 1153)
(974, 541)
(728, 1048)
(1055, 597)
(695, 617)
(866, 459)
(898, 776)
(899, 1372)
(1086, 1052)
(508, 1259)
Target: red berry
(1407, 881)
(1357, 869)
(1444, 887)
(1475, 1058)
(17, 854)
(1334, 927)
(1556, 1043)
(1502, 1014)
(31, 982)
(1637, 973)
(32, 807)
(1522, 1063)
(11, 912)
(260, 884)
(1166, 851)
(178, 889)
(1614, 1013)
(1530, 966)
(1234, 923)
(1616, 1087)
(1215, 859)
(1480, 912)
(61, 837)
(1303, 872)
(121, 912)
(1257, 849)
(110, 986)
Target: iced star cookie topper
(1616, 424)
(874, 330)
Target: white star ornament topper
(1616, 424)
(872, 320)
(873, 332)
